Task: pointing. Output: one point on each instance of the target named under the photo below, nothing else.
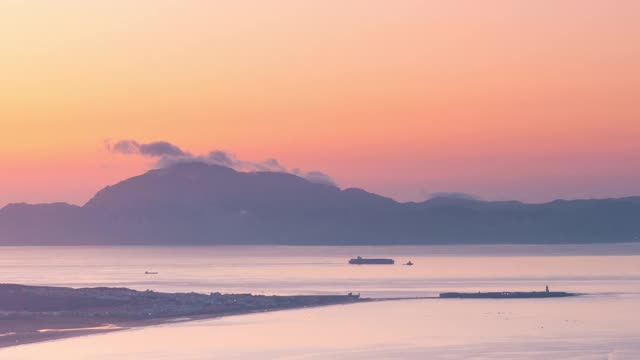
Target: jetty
(507, 294)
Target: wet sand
(22, 331)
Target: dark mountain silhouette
(195, 203)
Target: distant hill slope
(194, 203)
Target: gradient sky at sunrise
(529, 100)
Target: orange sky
(529, 100)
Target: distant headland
(199, 204)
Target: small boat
(150, 273)
(409, 263)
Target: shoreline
(29, 323)
(65, 333)
(13, 339)
(31, 314)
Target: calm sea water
(602, 325)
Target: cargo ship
(363, 261)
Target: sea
(602, 324)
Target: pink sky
(528, 100)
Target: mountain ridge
(197, 203)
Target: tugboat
(362, 261)
(409, 263)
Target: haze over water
(604, 324)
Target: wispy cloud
(153, 149)
(168, 154)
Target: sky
(503, 99)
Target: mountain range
(197, 204)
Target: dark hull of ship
(371, 262)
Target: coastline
(65, 329)
(31, 314)
(34, 336)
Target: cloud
(160, 148)
(221, 158)
(153, 149)
(318, 177)
(169, 154)
(315, 177)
